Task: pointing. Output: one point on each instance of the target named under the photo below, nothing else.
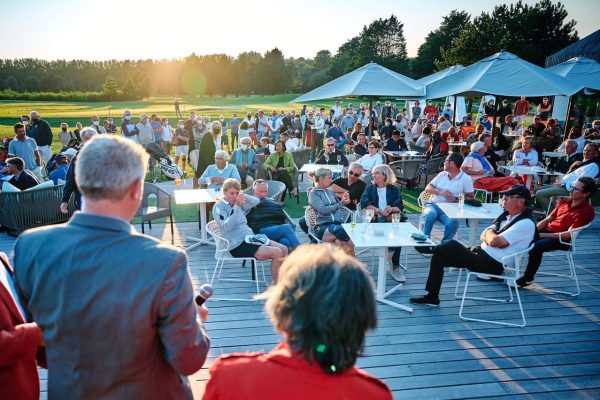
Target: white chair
(513, 265)
(222, 255)
(569, 253)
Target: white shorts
(181, 150)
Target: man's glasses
(354, 174)
(372, 147)
(575, 189)
(330, 144)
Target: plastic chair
(275, 190)
(222, 256)
(433, 166)
(569, 253)
(513, 265)
(406, 170)
(162, 209)
(310, 214)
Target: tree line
(532, 32)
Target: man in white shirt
(443, 124)
(512, 232)
(445, 188)
(290, 144)
(337, 110)
(588, 167)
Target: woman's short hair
(230, 183)
(320, 173)
(87, 133)
(108, 165)
(475, 147)
(384, 169)
(216, 128)
(375, 144)
(324, 303)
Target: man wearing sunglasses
(331, 155)
(352, 185)
(570, 213)
(512, 232)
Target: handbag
(175, 140)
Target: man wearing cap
(96, 124)
(347, 121)
(512, 232)
(60, 170)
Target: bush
(9, 94)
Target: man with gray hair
(116, 307)
(70, 187)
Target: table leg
(203, 239)
(381, 294)
(473, 231)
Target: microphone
(206, 291)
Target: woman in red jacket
(323, 304)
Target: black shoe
(425, 249)
(523, 282)
(426, 301)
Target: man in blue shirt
(335, 132)
(60, 172)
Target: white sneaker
(398, 275)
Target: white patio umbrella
(436, 76)
(370, 81)
(502, 74)
(581, 70)
(459, 101)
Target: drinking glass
(395, 219)
(178, 182)
(461, 202)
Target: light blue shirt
(211, 171)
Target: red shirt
(430, 110)
(282, 374)
(521, 107)
(567, 217)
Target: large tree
(382, 42)
(442, 38)
(530, 32)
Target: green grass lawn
(72, 112)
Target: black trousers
(535, 255)
(454, 254)
(284, 176)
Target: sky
(142, 29)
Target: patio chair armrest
(289, 219)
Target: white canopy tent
(458, 102)
(436, 76)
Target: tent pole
(454, 113)
(565, 132)
(371, 119)
(495, 116)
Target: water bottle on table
(461, 202)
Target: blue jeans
(431, 213)
(282, 234)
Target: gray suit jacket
(116, 308)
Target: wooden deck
(432, 353)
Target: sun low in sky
(141, 29)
